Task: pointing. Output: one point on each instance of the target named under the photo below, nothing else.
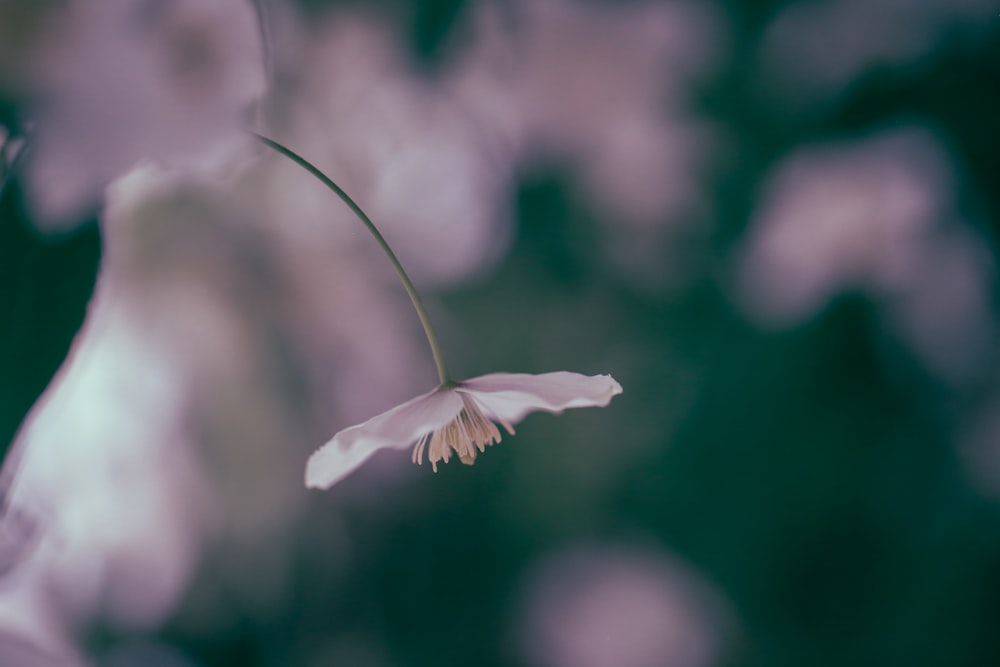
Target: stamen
(468, 434)
(418, 451)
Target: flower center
(468, 432)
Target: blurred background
(775, 223)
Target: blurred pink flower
(879, 215)
(119, 83)
(457, 417)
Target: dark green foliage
(435, 25)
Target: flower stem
(407, 283)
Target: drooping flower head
(457, 419)
(457, 416)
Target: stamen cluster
(468, 432)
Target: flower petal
(510, 396)
(397, 427)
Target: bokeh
(774, 223)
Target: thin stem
(407, 283)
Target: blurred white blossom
(116, 494)
(607, 88)
(876, 215)
(434, 159)
(119, 81)
(614, 606)
(406, 150)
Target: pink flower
(457, 418)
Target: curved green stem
(407, 284)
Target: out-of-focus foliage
(775, 223)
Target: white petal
(398, 427)
(510, 396)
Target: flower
(457, 418)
